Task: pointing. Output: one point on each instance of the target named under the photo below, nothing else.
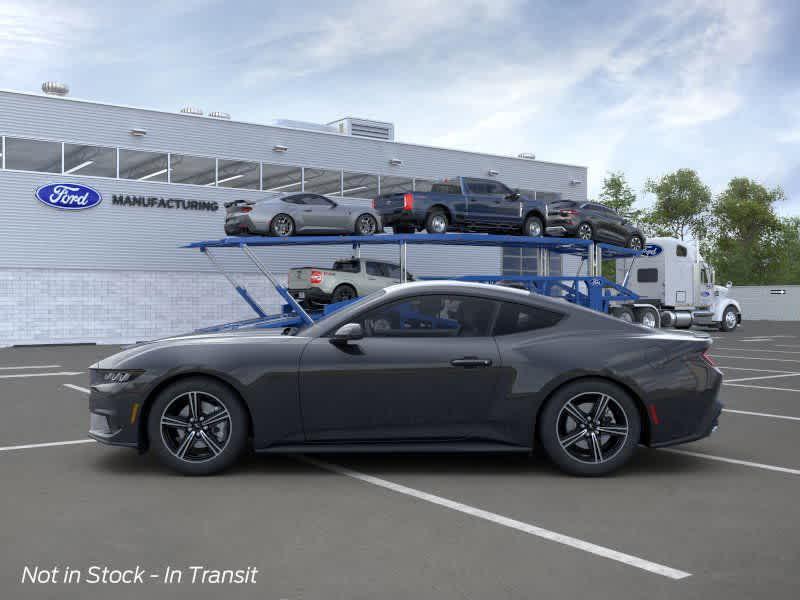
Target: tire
(624, 313)
(436, 221)
(533, 227)
(585, 231)
(281, 225)
(635, 242)
(647, 317)
(200, 456)
(343, 292)
(366, 224)
(730, 319)
(601, 443)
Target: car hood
(263, 336)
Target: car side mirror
(347, 333)
(515, 195)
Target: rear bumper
(313, 295)
(560, 227)
(391, 217)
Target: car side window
(393, 271)
(295, 199)
(477, 187)
(647, 275)
(680, 251)
(376, 269)
(318, 200)
(497, 188)
(435, 315)
(517, 318)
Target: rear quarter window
(518, 318)
(445, 188)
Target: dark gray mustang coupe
(418, 367)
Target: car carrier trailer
(591, 290)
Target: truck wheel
(647, 317)
(585, 231)
(623, 313)
(436, 222)
(282, 225)
(533, 227)
(730, 319)
(343, 292)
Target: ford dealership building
(95, 255)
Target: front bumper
(115, 413)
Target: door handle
(471, 361)
(308, 210)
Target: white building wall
(759, 303)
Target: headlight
(114, 375)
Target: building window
(396, 185)
(96, 161)
(238, 174)
(280, 178)
(323, 181)
(144, 166)
(195, 170)
(33, 155)
(360, 185)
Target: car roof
(447, 286)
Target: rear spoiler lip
(238, 202)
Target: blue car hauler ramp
(599, 291)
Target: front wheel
(366, 224)
(533, 227)
(730, 320)
(590, 427)
(198, 426)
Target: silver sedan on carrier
(286, 214)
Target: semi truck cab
(672, 277)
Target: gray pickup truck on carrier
(463, 204)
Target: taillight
(408, 201)
(316, 277)
(569, 211)
(374, 202)
(246, 209)
(708, 359)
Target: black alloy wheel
(635, 243)
(585, 231)
(197, 426)
(344, 292)
(282, 225)
(366, 225)
(590, 427)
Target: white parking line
(553, 536)
(756, 370)
(759, 350)
(18, 375)
(733, 461)
(758, 358)
(760, 387)
(30, 367)
(762, 377)
(758, 414)
(45, 445)
(77, 388)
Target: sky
(639, 87)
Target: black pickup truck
(464, 204)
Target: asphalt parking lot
(719, 518)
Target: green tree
(749, 243)
(681, 207)
(618, 195)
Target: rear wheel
(437, 221)
(343, 292)
(730, 320)
(533, 227)
(647, 317)
(198, 426)
(366, 224)
(590, 427)
(585, 232)
(624, 313)
(282, 225)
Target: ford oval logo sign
(68, 196)
(652, 250)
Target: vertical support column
(62, 157)
(598, 260)
(403, 262)
(591, 259)
(356, 249)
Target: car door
(601, 223)
(504, 206)
(376, 276)
(426, 370)
(323, 215)
(617, 229)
